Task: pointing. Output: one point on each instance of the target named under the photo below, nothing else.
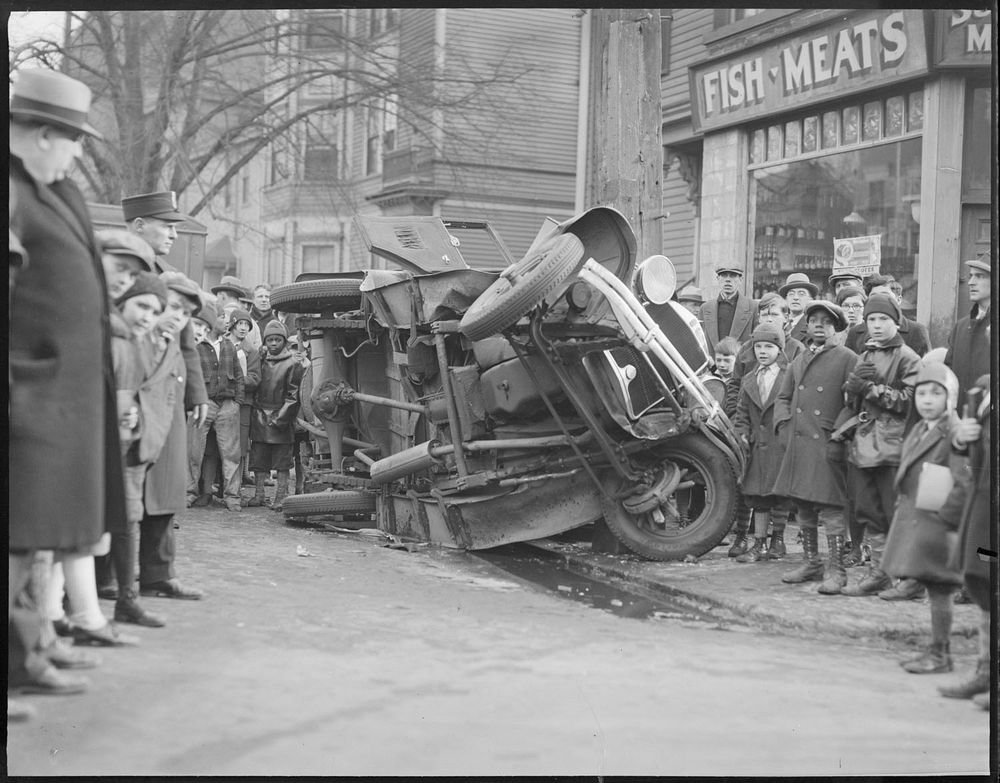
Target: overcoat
(746, 362)
(969, 350)
(166, 479)
(276, 401)
(977, 527)
(65, 474)
(919, 542)
(744, 320)
(913, 333)
(755, 420)
(808, 402)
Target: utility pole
(625, 150)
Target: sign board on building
(963, 38)
(860, 256)
(862, 50)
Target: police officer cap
(162, 205)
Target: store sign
(963, 38)
(873, 48)
(859, 256)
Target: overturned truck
(471, 408)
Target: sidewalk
(755, 593)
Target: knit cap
(275, 327)
(145, 283)
(849, 291)
(768, 333)
(885, 304)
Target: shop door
(975, 241)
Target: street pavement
(319, 653)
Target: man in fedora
(65, 472)
(731, 314)
(690, 296)
(969, 343)
(798, 291)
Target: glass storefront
(846, 172)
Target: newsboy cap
(119, 242)
(984, 264)
(52, 98)
(728, 269)
(207, 312)
(834, 311)
(184, 285)
(844, 276)
(162, 205)
(798, 280)
(145, 283)
(231, 284)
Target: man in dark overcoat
(969, 343)
(808, 404)
(65, 471)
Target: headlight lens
(655, 279)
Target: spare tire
(331, 503)
(522, 286)
(316, 296)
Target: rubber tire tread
(700, 538)
(315, 296)
(522, 286)
(338, 502)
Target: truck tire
(711, 503)
(521, 286)
(315, 296)
(328, 503)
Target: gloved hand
(866, 370)
(856, 385)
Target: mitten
(856, 385)
(866, 370)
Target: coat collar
(48, 195)
(919, 441)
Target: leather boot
(978, 683)
(128, 610)
(904, 590)
(755, 553)
(936, 659)
(811, 569)
(281, 490)
(258, 498)
(776, 547)
(834, 577)
(742, 527)
(875, 579)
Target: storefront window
(802, 206)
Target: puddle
(549, 572)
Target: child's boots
(875, 579)
(811, 569)
(258, 498)
(935, 660)
(835, 576)
(776, 547)
(281, 490)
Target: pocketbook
(933, 486)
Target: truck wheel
(699, 512)
(315, 296)
(521, 286)
(295, 507)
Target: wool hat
(184, 285)
(768, 333)
(772, 298)
(848, 292)
(730, 268)
(231, 284)
(161, 205)
(690, 294)
(885, 304)
(844, 276)
(239, 314)
(145, 283)
(119, 242)
(275, 327)
(834, 311)
(930, 371)
(984, 263)
(207, 313)
(51, 97)
(799, 280)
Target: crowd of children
(856, 428)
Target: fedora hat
(119, 242)
(162, 205)
(231, 284)
(50, 97)
(798, 280)
(690, 294)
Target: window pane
(809, 133)
(774, 142)
(757, 146)
(852, 123)
(873, 121)
(915, 121)
(319, 258)
(894, 116)
(831, 129)
(976, 149)
(792, 133)
(324, 32)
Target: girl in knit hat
(919, 543)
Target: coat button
(798, 410)
(819, 388)
(815, 437)
(817, 413)
(801, 386)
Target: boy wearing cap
(754, 425)
(969, 342)
(913, 333)
(809, 401)
(275, 406)
(879, 391)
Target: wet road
(348, 658)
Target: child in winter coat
(879, 391)
(919, 542)
(275, 404)
(754, 424)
